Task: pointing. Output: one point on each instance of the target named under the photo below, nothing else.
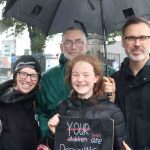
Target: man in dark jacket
(133, 82)
(53, 88)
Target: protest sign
(84, 134)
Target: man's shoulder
(51, 71)
(53, 75)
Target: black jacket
(19, 127)
(133, 97)
(100, 109)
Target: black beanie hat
(26, 61)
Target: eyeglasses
(24, 75)
(132, 39)
(69, 44)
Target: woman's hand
(53, 122)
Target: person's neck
(136, 66)
(84, 96)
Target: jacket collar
(62, 59)
(92, 101)
(127, 71)
(9, 95)
(142, 77)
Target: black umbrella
(93, 16)
(54, 16)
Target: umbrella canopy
(93, 16)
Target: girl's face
(26, 80)
(83, 79)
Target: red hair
(95, 62)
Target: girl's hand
(53, 122)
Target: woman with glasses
(18, 127)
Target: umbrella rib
(57, 7)
(82, 26)
(104, 37)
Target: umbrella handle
(107, 74)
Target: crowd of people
(78, 88)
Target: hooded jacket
(100, 109)
(53, 90)
(19, 129)
(133, 97)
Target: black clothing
(19, 127)
(133, 97)
(100, 109)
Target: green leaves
(111, 38)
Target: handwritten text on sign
(83, 134)
(79, 132)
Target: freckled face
(83, 79)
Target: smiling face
(74, 43)
(138, 50)
(83, 79)
(26, 85)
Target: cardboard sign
(84, 134)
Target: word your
(76, 128)
(62, 147)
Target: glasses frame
(24, 75)
(132, 39)
(78, 43)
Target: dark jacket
(19, 127)
(133, 97)
(100, 109)
(53, 90)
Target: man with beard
(133, 82)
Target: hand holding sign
(53, 122)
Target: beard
(141, 56)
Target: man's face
(73, 44)
(136, 42)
